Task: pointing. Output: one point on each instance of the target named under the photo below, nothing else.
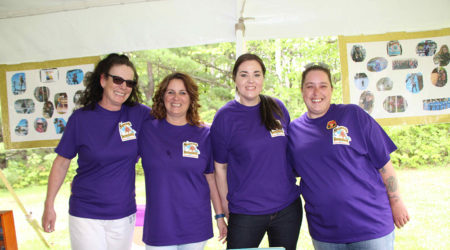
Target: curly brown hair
(159, 109)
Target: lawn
(425, 192)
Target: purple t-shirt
(338, 157)
(175, 160)
(260, 181)
(106, 144)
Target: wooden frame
(38, 98)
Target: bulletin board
(38, 98)
(398, 78)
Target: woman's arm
(217, 204)
(399, 212)
(222, 186)
(55, 180)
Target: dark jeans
(282, 227)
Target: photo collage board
(398, 78)
(38, 98)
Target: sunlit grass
(425, 192)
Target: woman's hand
(223, 230)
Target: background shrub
(420, 146)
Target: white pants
(101, 234)
(190, 246)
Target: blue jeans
(282, 227)
(382, 243)
(188, 246)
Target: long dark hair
(94, 91)
(269, 105)
(159, 109)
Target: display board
(398, 78)
(38, 98)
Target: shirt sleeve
(218, 139)
(146, 113)
(68, 145)
(379, 145)
(287, 117)
(210, 163)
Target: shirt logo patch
(331, 124)
(126, 131)
(190, 149)
(277, 132)
(340, 136)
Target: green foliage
(209, 65)
(139, 169)
(285, 59)
(32, 167)
(420, 146)
(25, 168)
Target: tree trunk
(278, 68)
(151, 81)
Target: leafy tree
(211, 65)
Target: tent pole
(34, 224)
(239, 29)
(240, 39)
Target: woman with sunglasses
(103, 133)
(179, 172)
(348, 182)
(256, 184)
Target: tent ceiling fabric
(127, 27)
(21, 8)
(57, 29)
(284, 19)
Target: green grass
(426, 193)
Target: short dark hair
(159, 109)
(326, 70)
(94, 91)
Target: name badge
(277, 132)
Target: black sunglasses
(320, 64)
(119, 80)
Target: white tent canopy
(57, 29)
